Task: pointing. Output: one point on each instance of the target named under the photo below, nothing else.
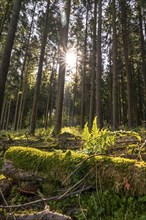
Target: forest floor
(125, 146)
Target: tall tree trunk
(74, 97)
(123, 99)
(50, 94)
(39, 73)
(99, 70)
(2, 114)
(23, 97)
(62, 68)
(115, 80)
(143, 55)
(4, 67)
(93, 70)
(16, 109)
(5, 115)
(127, 63)
(83, 89)
(8, 115)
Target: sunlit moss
(2, 177)
(70, 167)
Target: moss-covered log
(66, 169)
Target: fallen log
(69, 168)
(43, 215)
(10, 171)
(135, 156)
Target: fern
(97, 141)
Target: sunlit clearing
(71, 58)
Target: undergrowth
(103, 205)
(99, 140)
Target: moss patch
(118, 174)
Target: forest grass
(69, 168)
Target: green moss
(2, 177)
(68, 168)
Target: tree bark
(50, 93)
(143, 55)
(8, 115)
(127, 63)
(99, 70)
(39, 73)
(62, 68)
(93, 73)
(4, 67)
(2, 114)
(83, 88)
(115, 80)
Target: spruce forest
(73, 109)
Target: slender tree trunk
(4, 67)
(84, 72)
(53, 97)
(16, 111)
(143, 55)
(23, 97)
(39, 73)
(93, 71)
(62, 67)
(110, 86)
(8, 115)
(99, 70)
(2, 114)
(123, 97)
(50, 94)
(5, 115)
(127, 63)
(115, 80)
(74, 98)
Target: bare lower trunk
(83, 83)
(127, 63)
(8, 115)
(93, 73)
(62, 68)
(99, 70)
(39, 73)
(115, 77)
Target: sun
(71, 59)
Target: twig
(78, 166)
(3, 198)
(45, 199)
(6, 203)
(81, 207)
(76, 183)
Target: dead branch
(43, 215)
(46, 199)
